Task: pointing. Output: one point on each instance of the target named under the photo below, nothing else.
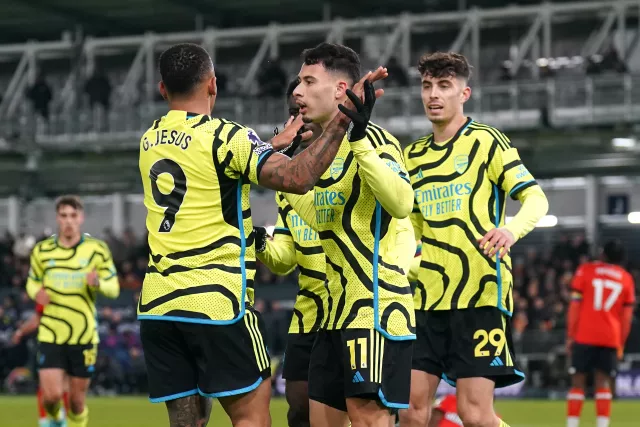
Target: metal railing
(603, 99)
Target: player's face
(69, 221)
(294, 110)
(319, 93)
(443, 98)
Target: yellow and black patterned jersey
(196, 171)
(70, 316)
(296, 244)
(460, 188)
(367, 287)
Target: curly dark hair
(334, 57)
(444, 64)
(183, 66)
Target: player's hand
(568, 347)
(380, 73)
(261, 239)
(497, 241)
(93, 280)
(362, 114)
(42, 297)
(293, 133)
(621, 353)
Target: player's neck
(443, 132)
(192, 106)
(325, 124)
(69, 241)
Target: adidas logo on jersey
(357, 378)
(497, 362)
(420, 174)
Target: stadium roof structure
(21, 20)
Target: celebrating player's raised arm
(299, 175)
(379, 157)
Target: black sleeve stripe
(522, 188)
(507, 168)
(283, 231)
(374, 138)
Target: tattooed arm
(299, 175)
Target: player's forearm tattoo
(300, 174)
(183, 412)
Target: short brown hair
(69, 200)
(444, 64)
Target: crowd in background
(541, 297)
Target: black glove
(290, 149)
(359, 118)
(261, 239)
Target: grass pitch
(138, 412)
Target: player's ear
(341, 89)
(163, 90)
(212, 86)
(466, 94)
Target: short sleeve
(505, 167)
(248, 154)
(630, 295)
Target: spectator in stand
(98, 88)
(397, 74)
(272, 79)
(40, 95)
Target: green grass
(138, 412)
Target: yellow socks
(78, 420)
(56, 413)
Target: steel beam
(525, 45)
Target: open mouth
(434, 108)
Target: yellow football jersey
(296, 244)
(460, 187)
(70, 317)
(367, 288)
(196, 172)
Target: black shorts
(297, 356)
(588, 358)
(360, 363)
(466, 343)
(76, 360)
(214, 360)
